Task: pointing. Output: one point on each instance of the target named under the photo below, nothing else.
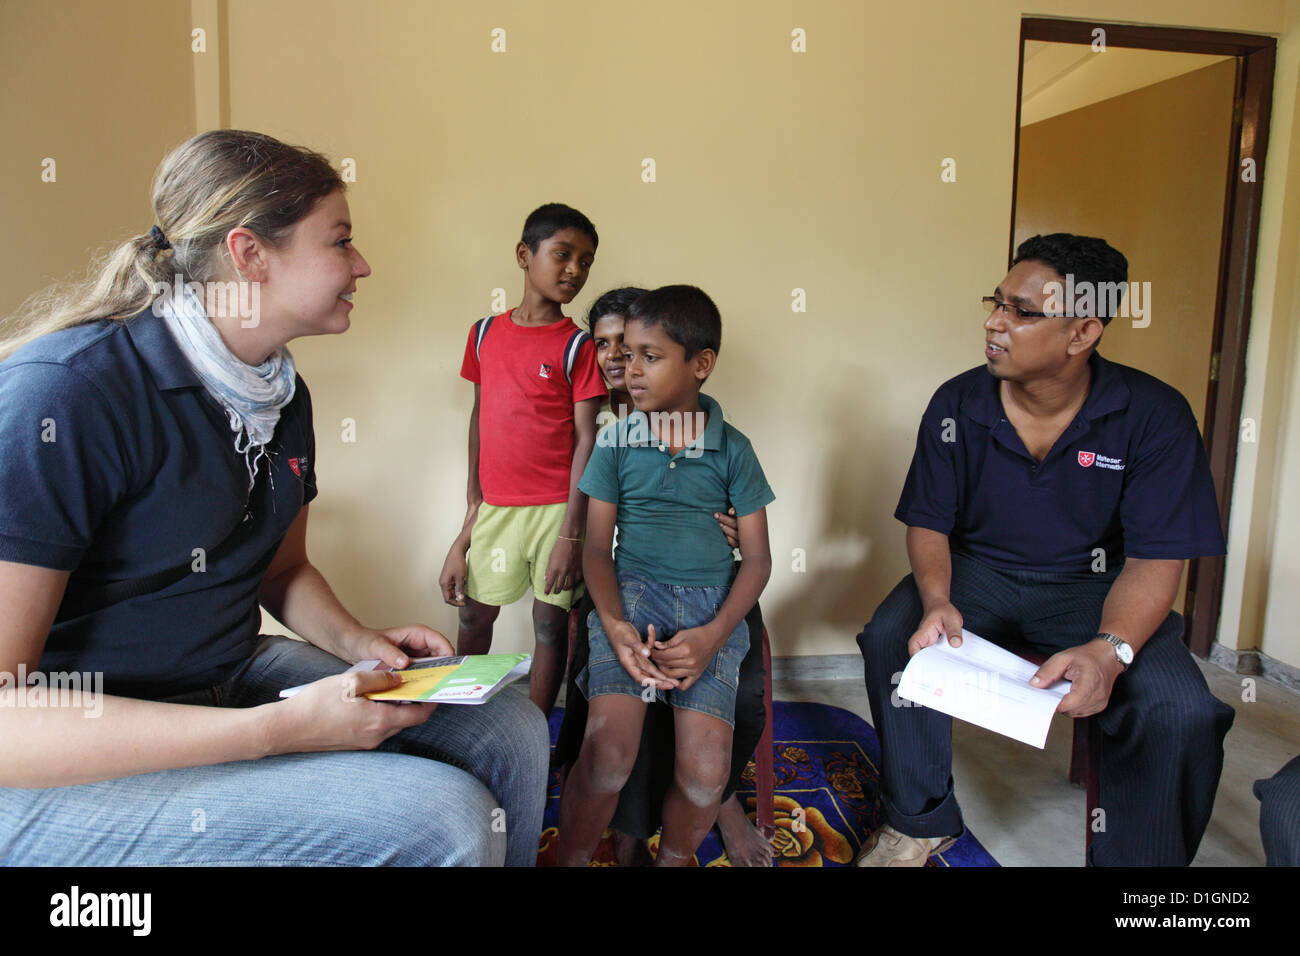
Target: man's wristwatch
(1123, 650)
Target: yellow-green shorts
(508, 551)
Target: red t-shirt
(526, 399)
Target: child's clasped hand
(684, 657)
(634, 655)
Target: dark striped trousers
(1279, 815)
(1162, 730)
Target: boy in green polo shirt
(669, 621)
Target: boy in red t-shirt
(536, 393)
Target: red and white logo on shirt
(1089, 458)
(544, 371)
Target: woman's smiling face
(311, 278)
(607, 333)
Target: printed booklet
(447, 680)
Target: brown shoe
(888, 847)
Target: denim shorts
(670, 608)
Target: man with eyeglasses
(1052, 500)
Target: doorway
(1154, 139)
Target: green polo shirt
(666, 529)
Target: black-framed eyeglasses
(992, 304)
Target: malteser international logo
(1090, 458)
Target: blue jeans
(670, 608)
(467, 787)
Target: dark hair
(687, 315)
(613, 302)
(545, 221)
(1086, 258)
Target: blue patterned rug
(827, 786)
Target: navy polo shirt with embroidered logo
(1129, 475)
(666, 502)
(116, 464)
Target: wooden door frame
(1252, 104)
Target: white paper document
(982, 684)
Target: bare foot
(628, 850)
(745, 846)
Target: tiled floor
(1020, 804)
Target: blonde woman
(157, 460)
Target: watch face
(1123, 650)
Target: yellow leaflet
(415, 683)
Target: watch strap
(1117, 643)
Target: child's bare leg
(700, 769)
(745, 846)
(474, 634)
(604, 764)
(550, 654)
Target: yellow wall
(776, 171)
(104, 90)
(1261, 597)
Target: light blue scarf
(252, 395)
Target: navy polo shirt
(666, 502)
(1128, 475)
(115, 464)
